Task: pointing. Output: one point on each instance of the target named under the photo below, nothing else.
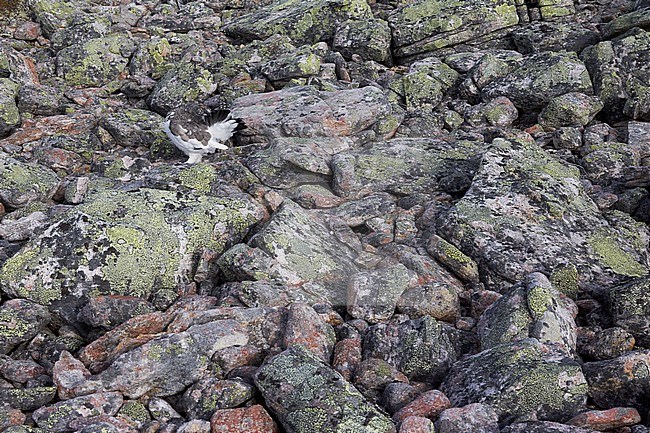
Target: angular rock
(134, 244)
(416, 424)
(208, 395)
(552, 210)
(21, 371)
(40, 100)
(369, 38)
(396, 395)
(313, 397)
(134, 127)
(9, 114)
(303, 111)
(620, 381)
(28, 399)
(425, 85)
(373, 295)
(606, 344)
(544, 427)
(10, 417)
(429, 405)
(518, 379)
(461, 265)
(500, 112)
(430, 25)
(373, 375)
(570, 109)
(59, 416)
(169, 363)
(402, 166)
(303, 62)
(303, 246)
(23, 228)
(304, 23)
(195, 426)
(620, 89)
(533, 309)
(22, 184)
(604, 420)
(629, 306)
(68, 373)
(305, 327)
(418, 348)
(162, 411)
(52, 15)
(20, 321)
(253, 419)
(540, 77)
(539, 36)
(97, 62)
(186, 82)
(475, 417)
(107, 312)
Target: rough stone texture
(552, 210)
(429, 404)
(302, 246)
(253, 419)
(518, 379)
(475, 417)
(373, 295)
(629, 306)
(120, 243)
(418, 348)
(597, 344)
(303, 22)
(9, 114)
(544, 427)
(22, 184)
(603, 420)
(539, 36)
(430, 25)
(68, 373)
(621, 381)
(540, 77)
(368, 38)
(307, 328)
(59, 416)
(610, 64)
(570, 109)
(372, 375)
(135, 127)
(186, 82)
(307, 395)
(208, 395)
(425, 85)
(416, 424)
(20, 321)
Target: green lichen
(199, 177)
(565, 280)
(379, 167)
(309, 65)
(610, 253)
(539, 300)
(12, 326)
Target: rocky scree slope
(437, 217)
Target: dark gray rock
(598, 345)
(419, 348)
(373, 295)
(186, 82)
(425, 85)
(544, 427)
(200, 400)
(20, 321)
(28, 399)
(629, 305)
(9, 114)
(107, 312)
(570, 109)
(539, 36)
(59, 416)
(368, 38)
(307, 395)
(40, 100)
(519, 380)
(373, 375)
(134, 127)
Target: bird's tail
(219, 116)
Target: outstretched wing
(222, 126)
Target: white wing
(222, 131)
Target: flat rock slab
(307, 395)
(527, 210)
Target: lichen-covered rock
(426, 84)
(539, 36)
(532, 309)
(152, 58)
(552, 210)
(9, 115)
(303, 111)
(303, 62)
(22, 184)
(68, 373)
(368, 38)
(169, 363)
(403, 166)
(307, 395)
(419, 348)
(570, 109)
(304, 23)
(544, 427)
(84, 27)
(313, 259)
(500, 112)
(518, 380)
(629, 306)
(622, 381)
(599, 344)
(20, 321)
(538, 78)
(307, 328)
(107, 312)
(138, 244)
(97, 62)
(621, 74)
(372, 376)
(53, 15)
(207, 395)
(430, 25)
(135, 127)
(59, 416)
(28, 399)
(638, 18)
(184, 83)
(22, 228)
(372, 295)
(40, 100)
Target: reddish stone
(68, 373)
(305, 327)
(10, 417)
(18, 370)
(609, 419)
(32, 130)
(56, 159)
(416, 424)
(475, 417)
(103, 423)
(429, 404)
(252, 419)
(347, 357)
(132, 333)
(28, 31)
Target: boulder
(629, 306)
(9, 115)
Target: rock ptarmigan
(197, 131)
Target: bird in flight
(197, 131)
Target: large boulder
(9, 115)
(141, 243)
(307, 395)
(527, 210)
(22, 184)
(519, 380)
(629, 305)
